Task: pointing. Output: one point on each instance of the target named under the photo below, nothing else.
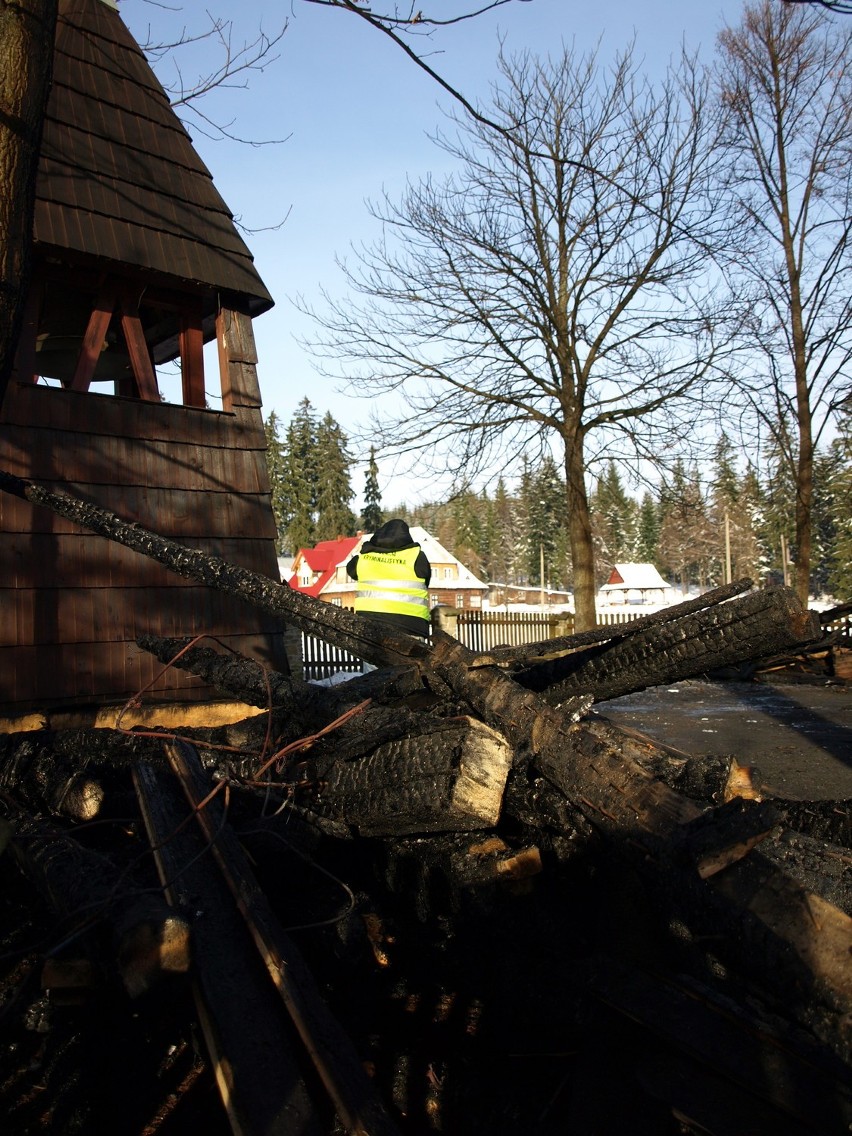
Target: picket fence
(478, 630)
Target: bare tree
(27, 32)
(554, 292)
(787, 89)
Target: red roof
(322, 560)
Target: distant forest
(691, 527)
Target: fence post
(446, 619)
(563, 626)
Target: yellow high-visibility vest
(387, 583)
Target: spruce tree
(371, 515)
(334, 517)
(840, 579)
(648, 531)
(299, 481)
(615, 520)
(275, 466)
(689, 545)
(545, 515)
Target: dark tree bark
(27, 33)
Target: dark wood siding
(72, 603)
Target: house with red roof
(322, 568)
(321, 572)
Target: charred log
(749, 627)
(312, 705)
(763, 911)
(527, 653)
(446, 776)
(149, 940)
(363, 637)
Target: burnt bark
(749, 627)
(760, 912)
(525, 654)
(148, 939)
(363, 637)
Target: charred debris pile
(445, 896)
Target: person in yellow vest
(393, 574)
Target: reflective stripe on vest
(387, 583)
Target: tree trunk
(580, 532)
(27, 34)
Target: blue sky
(356, 115)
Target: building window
(434, 599)
(337, 602)
(448, 573)
(475, 600)
(459, 599)
(305, 579)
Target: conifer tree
(299, 482)
(467, 541)
(824, 518)
(648, 531)
(615, 520)
(545, 514)
(779, 496)
(688, 545)
(334, 517)
(840, 579)
(729, 516)
(275, 466)
(371, 515)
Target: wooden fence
(477, 630)
(839, 619)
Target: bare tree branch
(236, 64)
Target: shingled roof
(119, 179)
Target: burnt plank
(330, 1050)
(257, 1070)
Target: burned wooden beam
(246, 679)
(808, 939)
(84, 888)
(526, 654)
(744, 628)
(257, 1071)
(329, 1050)
(364, 637)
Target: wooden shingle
(119, 179)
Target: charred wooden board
(329, 1050)
(257, 1071)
